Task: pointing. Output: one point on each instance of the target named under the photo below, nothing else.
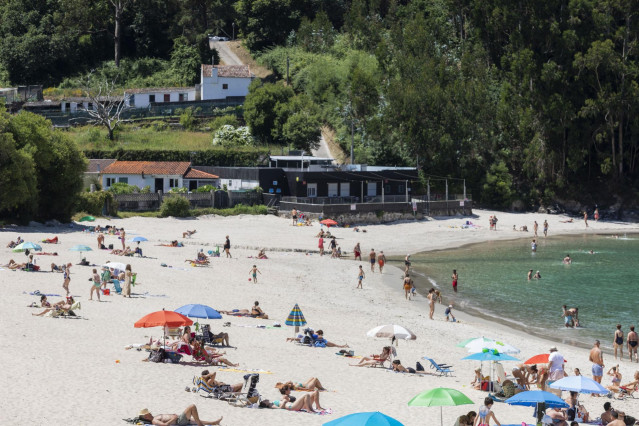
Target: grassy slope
(89, 137)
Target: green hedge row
(93, 202)
(210, 157)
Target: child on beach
(360, 276)
(254, 272)
(449, 313)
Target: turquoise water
(493, 283)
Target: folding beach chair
(441, 369)
(207, 339)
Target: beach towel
(238, 370)
(37, 293)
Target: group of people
(632, 342)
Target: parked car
(219, 38)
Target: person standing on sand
(96, 285)
(254, 272)
(294, 214)
(596, 215)
(596, 357)
(100, 240)
(536, 228)
(122, 237)
(360, 276)
(320, 245)
(67, 278)
(545, 228)
(455, 277)
(372, 258)
(407, 263)
(227, 247)
(633, 339)
(586, 218)
(128, 275)
(381, 261)
(431, 302)
(408, 286)
(617, 342)
(357, 251)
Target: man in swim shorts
(633, 339)
(381, 261)
(455, 277)
(188, 416)
(596, 357)
(372, 257)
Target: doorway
(159, 184)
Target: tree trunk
(117, 32)
(620, 138)
(110, 133)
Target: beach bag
(110, 246)
(419, 366)
(157, 355)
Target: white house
(142, 98)
(223, 81)
(159, 175)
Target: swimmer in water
(567, 260)
(530, 274)
(537, 276)
(533, 245)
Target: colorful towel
(238, 370)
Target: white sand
(65, 371)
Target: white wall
(212, 87)
(237, 184)
(148, 180)
(141, 100)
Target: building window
(401, 189)
(109, 182)
(387, 189)
(132, 100)
(123, 180)
(173, 183)
(183, 97)
(225, 86)
(167, 97)
(67, 106)
(151, 98)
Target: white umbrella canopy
(481, 343)
(116, 265)
(392, 330)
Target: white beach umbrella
(116, 265)
(479, 344)
(392, 330)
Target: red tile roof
(98, 165)
(233, 71)
(148, 167)
(199, 174)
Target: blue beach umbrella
(80, 248)
(490, 355)
(532, 398)
(373, 418)
(27, 246)
(137, 239)
(579, 384)
(198, 311)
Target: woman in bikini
(485, 414)
(305, 402)
(374, 359)
(630, 386)
(616, 378)
(310, 385)
(95, 287)
(257, 312)
(63, 305)
(67, 278)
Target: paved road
(322, 150)
(226, 54)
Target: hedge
(93, 202)
(211, 157)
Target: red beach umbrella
(328, 222)
(539, 359)
(163, 318)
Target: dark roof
(41, 104)
(98, 165)
(148, 167)
(160, 89)
(199, 174)
(81, 99)
(233, 71)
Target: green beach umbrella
(296, 318)
(87, 219)
(440, 397)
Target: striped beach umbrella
(296, 318)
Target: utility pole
(464, 189)
(233, 25)
(288, 64)
(352, 138)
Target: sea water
(493, 283)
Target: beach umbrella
(116, 265)
(87, 219)
(490, 355)
(478, 345)
(463, 343)
(439, 397)
(198, 311)
(328, 222)
(137, 239)
(539, 359)
(372, 418)
(27, 246)
(296, 318)
(532, 398)
(164, 319)
(392, 331)
(579, 384)
(80, 248)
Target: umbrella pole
(441, 416)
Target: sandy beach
(77, 371)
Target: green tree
(185, 61)
(266, 110)
(302, 126)
(233, 137)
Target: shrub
(175, 206)
(146, 190)
(206, 188)
(94, 135)
(123, 188)
(181, 190)
(186, 119)
(93, 203)
(230, 120)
